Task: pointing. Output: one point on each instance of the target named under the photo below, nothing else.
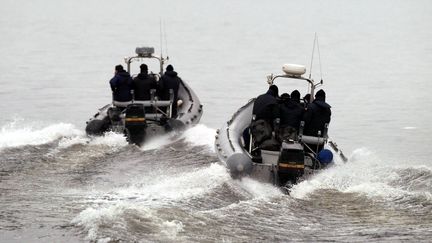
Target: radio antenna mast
(315, 43)
(160, 38)
(319, 59)
(313, 51)
(166, 40)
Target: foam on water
(144, 196)
(168, 188)
(93, 220)
(159, 141)
(108, 139)
(258, 189)
(111, 139)
(200, 135)
(368, 175)
(14, 135)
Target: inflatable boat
(284, 164)
(139, 120)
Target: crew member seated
(266, 113)
(316, 117)
(121, 86)
(142, 84)
(170, 81)
(291, 113)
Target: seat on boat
(122, 104)
(154, 109)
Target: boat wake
(175, 184)
(66, 135)
(149, 200)
(199, 135)
(367, 175)
(14, 135)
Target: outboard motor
(135, 123)
(291, 163)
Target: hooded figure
(121, 85)
(291, 112)
(295, 96)
(168, 81)
(266, 105)
(266, 111)
(317, 115)
(143, 83)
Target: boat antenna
(319, 58)
(166, 40)
(316, 43)
(160, 37)
(313, 51)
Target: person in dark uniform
(295, 96)
(121, 85)
(266, 105)
(267, 118)
(143, 83)
(318, 114)
(291, 113)
(170, 80)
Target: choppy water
(58, 185)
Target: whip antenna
(313, 51)
(319, 58)
(316, 43)
(166, 40)
(160, 38)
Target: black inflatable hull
(97, 127)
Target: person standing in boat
(316, 116)
(142, 84)
(291, 113)
(121, 85)
(168, 81)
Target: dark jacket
(168, 81)
(266, 107)
(142, 84)
(291, 113)
(316, 116)
(121, 86)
